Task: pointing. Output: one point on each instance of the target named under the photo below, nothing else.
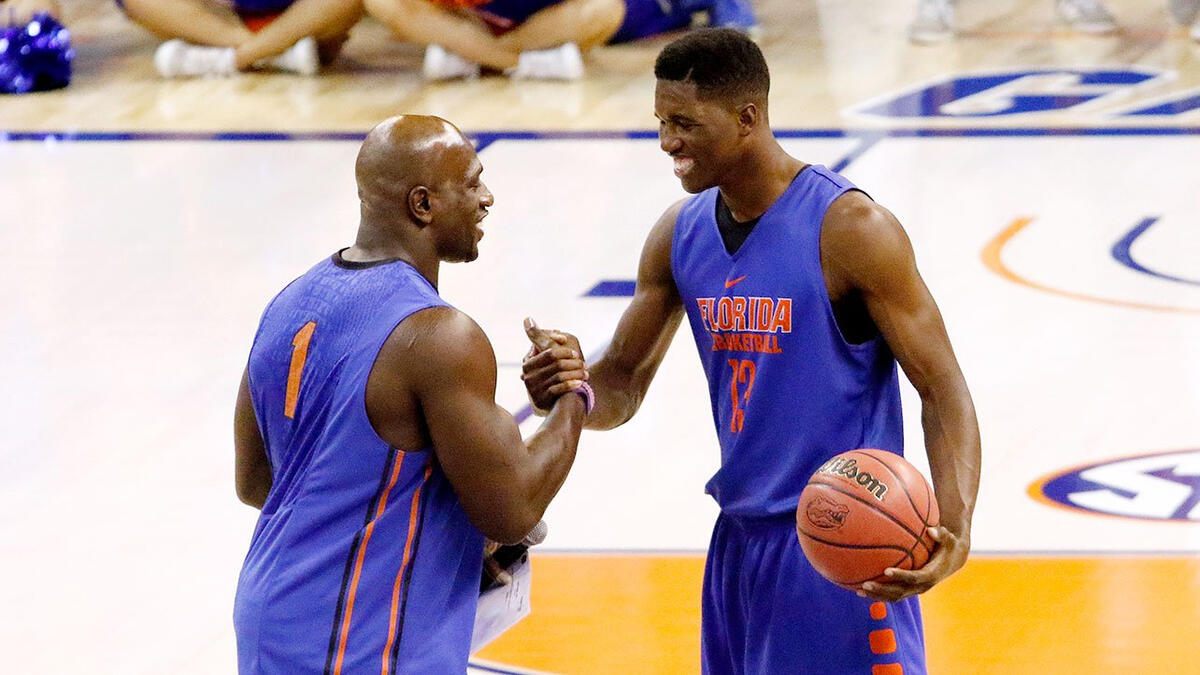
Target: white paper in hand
(501, 608)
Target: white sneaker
(1088, 16)
(934, 22)
(558, 63)
(1184, 11)
(176, 58)
(440, 64)
(300, 58)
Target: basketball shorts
(246, 7)
(644, 18)
(767, 611)
(508, 14)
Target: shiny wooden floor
(825, 55)
(999, 615)
(1050, 592)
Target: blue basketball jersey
(363, 560)
(788, 391)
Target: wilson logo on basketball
(848, 468)
(826, 513)
(1163, 486)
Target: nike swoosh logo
(732, 283)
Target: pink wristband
(589, 397)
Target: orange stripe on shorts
(882, 641)
(358, 563)
(413, 517)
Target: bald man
(367, 432)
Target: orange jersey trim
(413, 517)
(358, 563)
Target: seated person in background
(223, 37)
(1185, 12)
(934, 21)
(536, 39)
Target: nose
(486, 198)
(668, 141)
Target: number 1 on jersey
(299, 356)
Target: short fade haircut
(723, 63)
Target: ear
(418, 204)
(749, 117)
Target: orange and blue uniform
(363, 560)
(788, 392)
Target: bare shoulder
(441, 338)
(862, 244)
(656, 255)
(664, 227)
(856, 220)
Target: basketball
(865, 511)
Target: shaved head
(403, 152)
(420, 191)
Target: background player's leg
(195, 21)
(319, 19)
(587, 23)
(423, 23)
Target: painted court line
(1124, 255)
(993, 261)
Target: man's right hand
(554, 365)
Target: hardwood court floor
(999, 615)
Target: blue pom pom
(36, 56)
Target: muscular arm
(442, 359)
(865, 250)
(252, 468)
(623, 374)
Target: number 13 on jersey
(743, 373)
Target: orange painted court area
(999, 614)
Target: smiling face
(701, 134)
(459, 202)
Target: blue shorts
(643, 18)
(513, 13)
(248, 6)
(766, 611)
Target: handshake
(554, 366)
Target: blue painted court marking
(610, 288)
(865, 143)
(1122, 252)
(485, 138)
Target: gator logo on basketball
(848, 468)
(826, 514)
(1162, 486)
